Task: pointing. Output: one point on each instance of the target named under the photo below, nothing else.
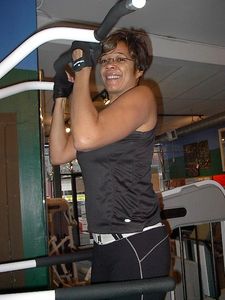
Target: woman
(114, 149)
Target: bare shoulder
(139, 98)
(144, 94)
(148, 101)
(146, 91)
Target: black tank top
(118, 191)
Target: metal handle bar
(120, 9)
(154, 287)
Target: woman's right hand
(84, 54)
(63, 84)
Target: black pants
(143, 255)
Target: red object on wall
(220, 179)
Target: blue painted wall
(17, 23)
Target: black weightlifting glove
(62, 87)
(91, 52)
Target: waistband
(106, 238)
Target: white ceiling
(188, 40)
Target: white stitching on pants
(139, 263)
(141, 260)
(154, 247)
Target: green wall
(26, 106)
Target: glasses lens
(113, 60)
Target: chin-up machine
(101, 291)
(190, 205)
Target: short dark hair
(138, 43)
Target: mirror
(222, 146)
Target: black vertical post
(75, 208)
(182, 265)
(57, 193)
(199, 263)
(57, 190)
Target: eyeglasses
(119, 60)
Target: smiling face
(118, 72)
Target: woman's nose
(110, 64)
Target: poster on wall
(196, 157)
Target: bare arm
(84, 115)
(61, 145)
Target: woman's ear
(139, 73)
